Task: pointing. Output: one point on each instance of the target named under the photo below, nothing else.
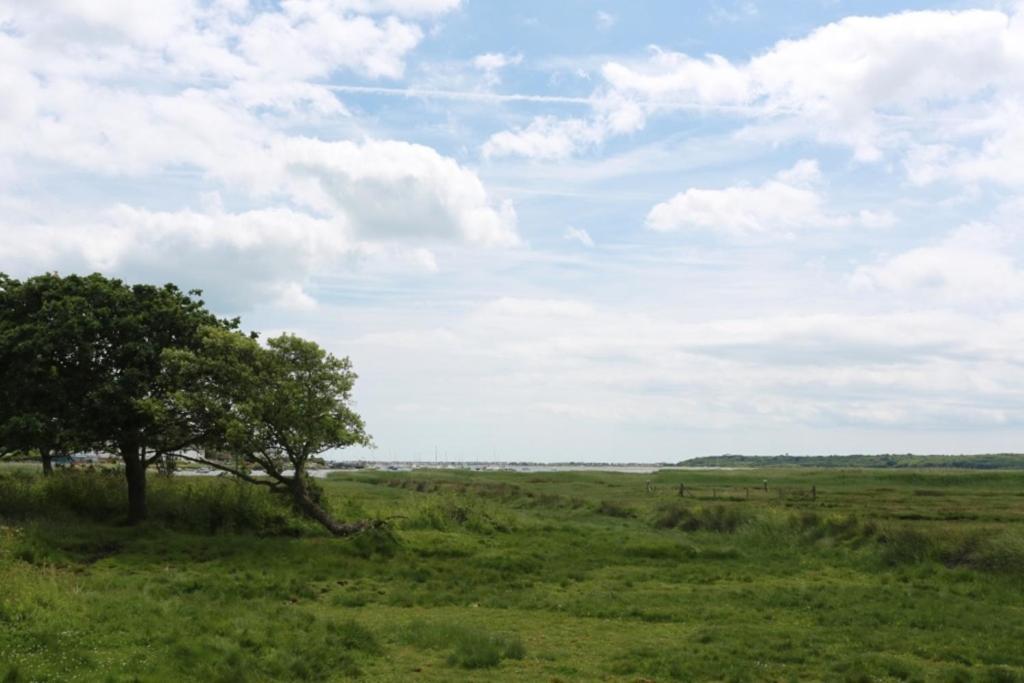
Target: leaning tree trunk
(47, 458)
(135, 473)
(313, 510)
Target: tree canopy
(82, 361)
(146, 372)
(275, 407)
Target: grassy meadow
(575, 576)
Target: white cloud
(668, 75)
(971, 266)
(395, 190)
(579, 235)
(788, 202)
(217, 89)
(869, 83)
(377, 199)
(604, 20)
(547, 137)
(592, 364)
(238, 258)
(492, 63)
(883, 218)
(409, 8)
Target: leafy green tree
(276, 407)
(44, 366)
(94, 346)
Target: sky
(552, 231)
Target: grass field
(881, 575)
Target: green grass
(884, 575)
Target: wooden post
(814, 492)
(682, 490)
(766, 486)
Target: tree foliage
(82, 358)
(147, 372)
(275, 406)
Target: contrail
(459, 94)
(591, 101)
(753, 109)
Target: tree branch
(273, 486)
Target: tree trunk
(311, 509)
(135, 473)
(47, 458)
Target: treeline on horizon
(992, 461)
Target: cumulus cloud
(868, 83)
(394, 190)
(971, 266)
(789, 201)
(548, 137)
(239, 258)
(360, 198)
(217, 89)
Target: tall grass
(469, 648)
(201, 505)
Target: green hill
(993, 461)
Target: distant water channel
(476, 466)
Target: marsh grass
(501, 576)
(716, 518)
(203, 505)
(468, 648)
(448, 512)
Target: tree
(44, 366)
(98, 346)
(276, 407)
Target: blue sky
(558, 231)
